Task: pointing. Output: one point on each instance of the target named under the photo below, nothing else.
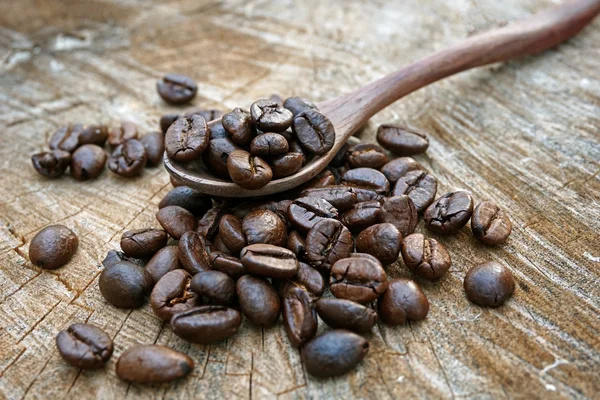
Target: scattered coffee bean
(231, 266)
(154, 143)
(248, 171)
(258, 300)
(382, 241)
(192, 200)
(119, 134)
(489, 284)
(400, 211)
(206, 324)
(402, 141)
(420, 186)
(66, 138)
(296, 244)
(305, 212)
(269, 261)
(269, 145)
(361, 216)
(187, 138)
(125, 285)
(153, 363)
(84, 346)
(334, 353)
(367, 155)
(404, 300)
(327, 242)
(490, 224)
(87, 162)
(314, 131)
(231, 233)
(143, 243)
(287, 164)
(341, 197)
(346, 314)
(358, 279)
(299, 316)
(298, 104)
(449, 213)
(427, 258)
(164, 261)
(270, 116)
(176, 220)
(239, 126)
(308, 279)
(193, 252)
(172, 295)
(367, 178)
(217, 286)
(51, 163)
(176, 89)
(397, 168)
(128, 159)
(264, 226)
(53, 247)
(166, 121)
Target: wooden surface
(524, 134)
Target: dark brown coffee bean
(268, 145)
(420, 186)
(239, 126)
(299, 316)
(209, 223)
(489, 284)
(270, 116)
(94, 134)
(113, 257)
(305, 212)
(128, 159)
(367, 155)
(193, 253)
(264, 226)
(248, 171)
(324, 178)
(397, 168)
(449, 213)
(187, 138)
(154, 143)
(192, 200)
(53, 247)
(383, 241)
(269, 261)
(358, 279)
(341, 197)
(402, 141)
(404, 300)
(152, 363)
(66, 138)
(208, 114)
(327, 242)
(176, 220)
(363, 195)
(298, 104)
(334, 353)
(287, 164)
(361, 216)
(206, 324)
(172, 295)
(400, 211)
(231, 233)
(427, 258)
(176, 88)
(143, 243)
(217, 286)
(314, 131)
(166, 121)
(51, 163)
(258, 300)
(231, 266)
(125, 284)
(367, 178)
(87, 162)
(346, 314)
(216, 155)
(84, 346)
(119, 134)
(308, 279)
(296, 244)
(490, 224)
(164, 261)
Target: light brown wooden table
(524, 134)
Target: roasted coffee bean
(427, 258)
(206, 324)
(358, 279)
(367, 178)
(87, 162)
(172, 295)
(299, 316)
(326, 242)
(248, 171)
(208, 114)
(187, 138)
(420, 186)
(154, 143)
(119, 134)
(94, 134)
(66, 138)
(231, 233)
(128, 159)
(193, 252)
(346, 314)
(402, 141)
(192, 200)
(164, 261)
(270, 116)
(239, 126)
(51, 163)
(176, 220)
(217, 286)
(264, 226)
(314, 131)
(363, 195)
(125, 284)
(308, 279)
(334, 353)
(341, 197)
(305, 212)
(490, 224)
(298, 104)
(216, 155)
(269, 145)
(489, 284)
(367, 155)
(143, 243)
(404, 300)
(449, 213)
(400, 211)
(84, 346)
(230, 265)
(383, 241)
(209, 223)
(152, 363)
(324, 178)
(361, 216)
(269, 261)
(397, 168)
(53, 247)
(297, 244)
(217, 131)
(113, 257)
(258, 300)
(176, 88)
(166, 121)
(287, 164)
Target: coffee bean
(192, 200)
(187, 138)
(296, 244)
(176, 220)
(94, 134)
(143, 243)
(66, 138)
(305, 212)
(308, 279)
(404, 300)
(87, 162)
(270, 116)
(209, 223)
(208, 114)
(269, 261)
(84, 346)
(382, 241)
(153, 363)
(193, 252)
(490, 224)
(363, 195)
(361, 216)
(298, 104)
(334, 353)
(341, 197)
(128, 159)
(154, 143)
(172, 295)
(53, 247)
(420, 186)
(397, 168)
(248, 171)
(400, 211)
(367, 178)
(449, 213)
(268, 145)
(216, 155)
(217, 286)
(166, 121)
(489, 284)
(113, 257)
(231, 233)
(258, 300)
(125, 285)
(220, 246)
(206, 324)
(51, 163)
(358, 279)
(427, 258)
(264, 226)
(119, 134)
(346, 314)
(164, 261)
(239, 126)
(314, 131)
(176, 89)
(368, 155)
(286, 164)
(325, 178)
(227, 264)
(402, 141)
(299, 316)
(327, 242)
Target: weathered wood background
(524, 134)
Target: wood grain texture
(525, 134)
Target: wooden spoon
(349, 112)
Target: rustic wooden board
(524, 134)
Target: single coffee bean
(206, 324)
(334, 353)
(298, 104)
(172, 295)
(231, 233)
(314, 131)
(84, 346)
(278, 207)
(270, 116)
(239, 126)
(165, 260)
(209, 114)
(216, 155)
(187, 138)
(66, 138)
(166, 121)
(87, 162)
(363, 195)
(154, 143)
(398, 167)
(287, 164)
(128, 159)
(402, 141)
(176, 89)
(299, 316)
(361, 216)
(193, 252)
(420, 186)
(125, 285)
(231, 266)
(404, 300)
(324, 178)
(327, 242)
(269, 145)
(152, 363)
(358, 279)
(490, 224)
(192, 200)
(176, 220)
(346, 314)
(119, 134)
(51, 163)
(209, 223)
(489, 284)
(400, 211)
(308, 279)
(248, 171)
(217, 286)
(367, 178)
(269, 261)
(143, 243)
(113, 257)
(366, 155)
(94, 134)
(427, 258)
(53, 247)
(264, 226)
(341, 197)
(258, 300)
(296, 244)
(383, 241)
(449, 213)
(305, 212)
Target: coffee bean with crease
(247, 171)
(193, 252)
(361, 216)
(366, 155)
(231, 266)
(187, 138)
(327, 242)
(87, 162)
(176, 88)
(84, 346)
(400, 211)
(334, 353)
(404, 300)
(153, 363)
(363, 195)
(305, 212)
(172, 295)
(314, 131)
(66, 138)
(164, 261)
(154, 143)
(166, 121)
(398, 167)
(231, 233)
(125, 284)
(264, 226)
(239, 126)
(269, 261)
(206, 324)
(209, 223)
(128, 159)
(308, 279)
(258, 300)
(367, 178)
(143, 243)
(51, 163)
(358, 279)
(298, 104)
(425, 257)
(325, 178)
(297, 244)
(299, 316)
(270, 116)
(402, 141)
(346, 314)
(119, 134)
(383, 241)
(269, 145)
(176, 220)
(192, 200)
(489, 284)
(217, 286)
(449, 213)
(286, 164)
(490, 224)
(420, 186)
(341, 197)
